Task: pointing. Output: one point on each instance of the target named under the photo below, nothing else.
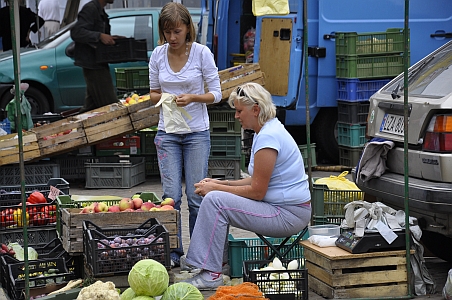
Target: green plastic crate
(132, 78)
(366, 67)
(224, 168)
(243, 249)
(223, 120)
(351, 135)
(370, 43)
(304, 154)
(328, 205)
(225, 146)
(147, 141)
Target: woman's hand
(184, 100)
(204, 186)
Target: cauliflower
(99, 291)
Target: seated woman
(274, 201)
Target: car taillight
(438, 137)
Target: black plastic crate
(352, 112)
(37, 268)
(277, 284)
(38, 215)
(38, 236)
(11, 195)
(114, 251)
(124, 50)
(54, 249)
(35, 173)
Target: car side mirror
(69, 51)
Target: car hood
(9, 54)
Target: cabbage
(148, 277)
(143, 298)
(182, 290)
(128, 294)
(20, 252)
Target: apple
(166, 207)
(146, 206)
(125, 203)
(100, 207)
(155, 208)
(135, 196)
(114, 208)
(87, 210)
(127, 210)
(168, 201)
(137, 202)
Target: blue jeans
(189, 152)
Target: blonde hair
(172, 15)
(252, 93)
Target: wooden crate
(106, 122)
(72, 224)
(9, 148)
(60, 136)
(232, 77)
(336, 273)
(143, 115)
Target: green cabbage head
(182, 291)
(143, 298)
(128, 294)
(148, 277)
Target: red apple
(125, 203)
(166, 207)
(146, 206)
(100, 207)
(168, 201)
(137, 202)
(87, 210)
(127, 210)
(114, 208)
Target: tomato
(39, 219)
(49, 210)
(6, 220)
(32, 210)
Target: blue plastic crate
(6, 125)
(358, 90)
(351, 135)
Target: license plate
(392, 124)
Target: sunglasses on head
(241, 93)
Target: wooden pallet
(336, 273)
(143, 115)
(72, 224)
(231, 78)
(9, 148)
(106, 122)
(60, 136)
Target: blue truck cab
(279, 43)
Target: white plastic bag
(172, 114)
(447, 289)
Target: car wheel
(325, 133)
(438, 244)
(38, 102)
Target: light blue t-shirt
(288, 183)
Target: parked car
(56, 84)
(429, 147)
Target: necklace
(186, 49)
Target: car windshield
(430, 78)
(54, 40)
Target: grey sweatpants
(219, 210)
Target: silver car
(429, 147)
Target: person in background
(28, 22)
(274, 201)
(179, 67)
(92, 28)
(49, 10)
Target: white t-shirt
(190, 79)
(49, 10)
(289, 182)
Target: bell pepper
(36, 198)
(17, 217)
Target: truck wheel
(324, 129)
(437, 244)
(38, 101)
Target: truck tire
(324, 129)
(38, 101)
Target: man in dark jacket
(27, 21)
(92, 28)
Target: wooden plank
(14, 158)
(9, 148)
(115, 127)
(11, 140)
(139, 106)
(145, 118)
(389, 290)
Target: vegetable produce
(99, 291)
(182, 291)
(17, 217)
(19, 250)
(36, 198)
(143, 298)
(148, 277)
(128, 294)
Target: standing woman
(180, 66)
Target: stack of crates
(225, 143)
(365, 62)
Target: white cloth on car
(372, 163)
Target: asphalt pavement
(436, 267)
